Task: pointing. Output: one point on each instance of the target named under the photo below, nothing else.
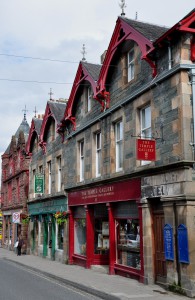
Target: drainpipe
(176, 245)
(192, 82)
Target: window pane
(119, 145)
(131, 65)
(80, 236)
(81, 161)
(89, 99)
(98, 154)
(147, 117)
(128, 243)
(146, 122)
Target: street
(18, 283)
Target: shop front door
(160, 263)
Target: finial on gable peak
(50, 94)
(83, 52)
(122, 6)
(25, 111)
(35, 111)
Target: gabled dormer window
(131, 64)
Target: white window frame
(119, 145)
(82, 160)
(49, 176)
(59, 179)
(131, 64)
(89, 98)
(170, 58)
(98, 153)
(145, 117)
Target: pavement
(96, 283)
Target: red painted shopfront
(106, 227)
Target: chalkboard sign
(183, 244)
(168, 242)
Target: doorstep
(100, 268)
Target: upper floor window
(49, 177)
(40, 169)
(170, 57)
(81, 158)
(18, 159)
(18, 189)
(131, 64)
(98, 154)
(119, 145)
(89, 98)
(9, 191)
(145, 116)
(59, 174)
(33, 174)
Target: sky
(41, 43)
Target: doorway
(159, 255)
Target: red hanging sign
(146, 149)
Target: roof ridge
(144, 22)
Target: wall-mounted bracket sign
(39, 184)
(183, 250)
(146, 149)
(168, 242)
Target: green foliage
(176, 288)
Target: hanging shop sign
(16, 217)
(183, 244)
(168, 242)
(146, 149)
(39, 184)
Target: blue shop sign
(183, 244)
(168, 242)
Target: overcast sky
(46, 30)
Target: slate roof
(23, 127)
(58, 109)
(37, 122)
(150, 31)
(93, 69)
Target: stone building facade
(134, 215)
(48, 235)
(14, 189)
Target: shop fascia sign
(146, 149)
(39, 184)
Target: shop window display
(80, 236)
(128, 242)
(101, 236)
